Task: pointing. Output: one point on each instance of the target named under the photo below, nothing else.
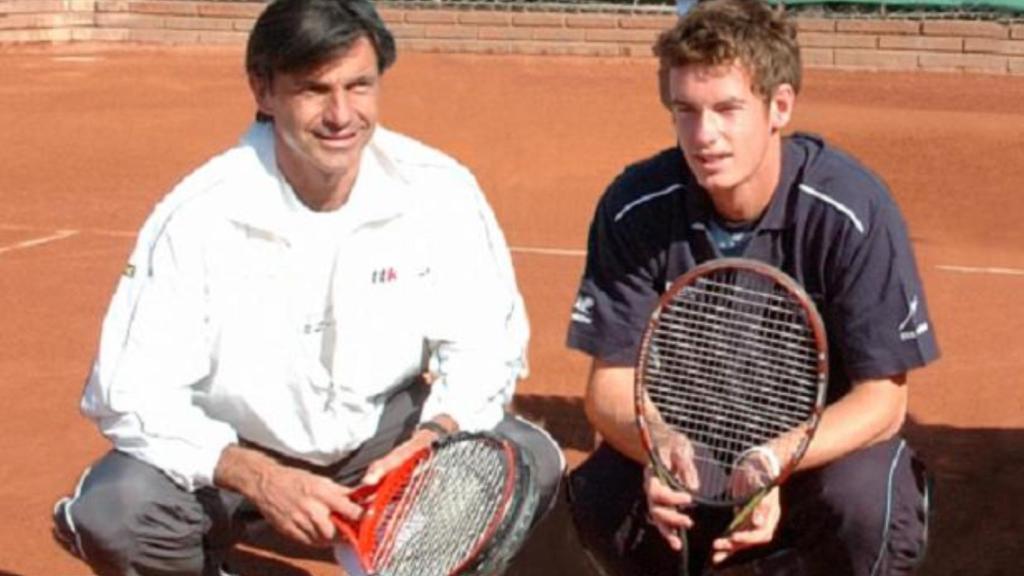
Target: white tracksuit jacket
(237, 318)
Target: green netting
(954, 6)
(933, 8)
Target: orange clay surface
(91, 137)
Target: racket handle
(744, 514)
(684, 553)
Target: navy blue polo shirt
(831, 224)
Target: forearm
(873, 411)
(609, 408)
(243, 470)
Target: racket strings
(742, 345)
(452, 500)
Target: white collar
(382, 191)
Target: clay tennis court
(91, 137)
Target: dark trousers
(129, 518)
(862, 515)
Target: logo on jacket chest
(384, 275)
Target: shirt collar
(265, 199)
(776, 216)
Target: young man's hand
(665, 507)
(759, 529)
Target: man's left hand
(758, 530)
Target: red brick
(231, 9)
(879, 26)
(431, 17)
(647, 22)
(1016, 65)
(965, 62)
(120, 20)
(591, 21)
(111, 5)
(825, 40)
(493, 33)
(973, 28)
(818, 57)
(922, 43)
(99, 35)
(630, 36)
(637, 51)
(223, 38)
(559, 34)
(565, 49)
(155, 36)
(992, 46)
(36, 35)
(1017, 31)
(487, 47)
(538, 19)
(26, 21)
(815, 25)
(391, 15)
(80, 6)
(433, 45)
(164, 7)
(485, 18)
(450, 32)
(30, 6)
(243, 25)
(875, 59)
(407, 31)
(195, 23)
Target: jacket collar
(264, 200)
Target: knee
(545, 455)
(124, 524)
(872, 505)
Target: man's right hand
(297, 503)
(665, 507)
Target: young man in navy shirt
(734, 186)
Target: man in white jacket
(265, 347)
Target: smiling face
(323, 118)
(730, 136)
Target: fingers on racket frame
(511, 506)
(685, 287)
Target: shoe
(64, 529)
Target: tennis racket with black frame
(463, 505)
(730, 384)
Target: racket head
(733, 362)
(440, 514)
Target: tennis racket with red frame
(730, 383)
(460, 506)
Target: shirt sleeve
(154, 349)
(883, 326)
(479, 328)
(620, 284)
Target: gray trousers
(127, 517)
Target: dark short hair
(299, 35)
(721, 32)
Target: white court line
(547, 251)
(537, 250)
(58, 235)
(974, 270)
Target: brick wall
(876, 44)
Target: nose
(705, 128)
(337, 110)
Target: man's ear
(261, 89)
(781, 106)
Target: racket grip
(746, 511)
